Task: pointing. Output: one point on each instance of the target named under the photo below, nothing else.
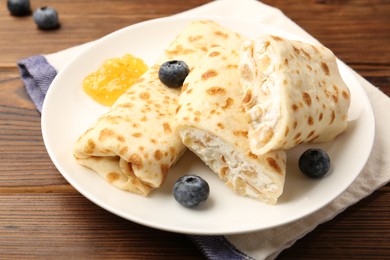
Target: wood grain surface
(43, 217)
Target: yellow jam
(113, 78)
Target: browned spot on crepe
(310, 120)
(268, 134)
(209, 74)
(232, 66)
(345, 94)
(335, 98)
(178, 109)
(137, 135)
(167, 128)
(277, 38)
(311, 134)
(294, 107)
(144, 95)
(123, 151)
(296, 50)
(320, 116)
(184, 87)
(333, 117)
(90, 147)
(121, 138)
(135, 160)
(306, 98)
(105, 133)
(223, 172)
(214, 54)
(220, 125)
(195, 38)
(179, 50)
(158, 155)
(112, 176)
(325, 68)
(286, 131)
(216, 91)
(240, 132)
(229, 102)
(274, 164)
(254, 156)
(248, 96)
(221, 34)
(126, 105)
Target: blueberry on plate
(173, 73)
(46, 18)
(19, 7)
(314, 163)
(191, 190)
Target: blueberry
(173, 73)
(191, 190)
(46, 18)
(314, 163)
(19, 7)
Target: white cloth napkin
(267, 244)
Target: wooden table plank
(68, 226)
(23, 157)
(81, 21)
(351, 29)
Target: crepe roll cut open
(134, 145)
(211, 122)
(292, 92)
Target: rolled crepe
(133, 145)
(292, 92)
(211, 122)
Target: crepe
(292, 92)
(133, 145)
(211, 122)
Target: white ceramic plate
(68, 112)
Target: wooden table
(42, 216)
